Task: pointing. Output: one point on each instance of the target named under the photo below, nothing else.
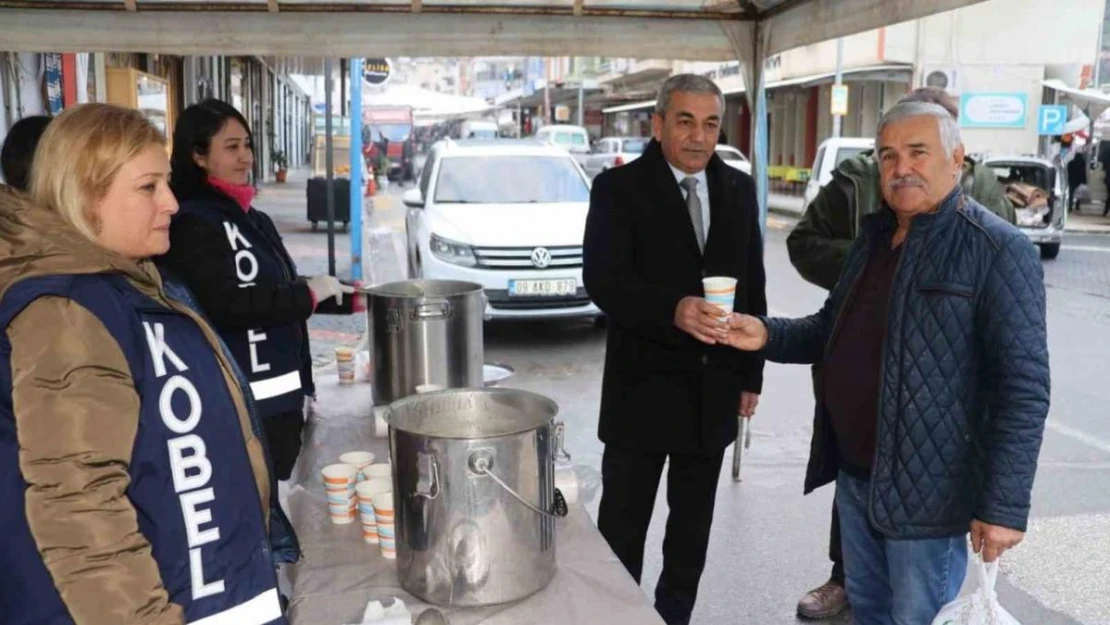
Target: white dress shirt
(702, 190)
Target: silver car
(1043, 224)
(613, 152)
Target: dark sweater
(851, 373)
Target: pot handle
(480, 462)
(432, 309)
(560, 454)
(427, 484)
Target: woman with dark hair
(233, 259)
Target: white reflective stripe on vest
(258, 611)
(273, 387)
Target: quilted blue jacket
(964, 371)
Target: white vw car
(506, 214)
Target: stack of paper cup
(345, 364)
(382, 469)
(366, 492)
(339, 481)
(383, 516)
(721, 292)
(360, 459)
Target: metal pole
(329, 163)
(581, 104)
(356, 168)
(343, 88)
(546, 103)
(837, 119)
(1097, 74)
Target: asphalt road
(769, 542)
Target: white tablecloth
(340, 572)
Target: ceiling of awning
(680, 29)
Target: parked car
(573, 139)
(611, 152)
(509, 215)
(1042, 219)
(478, 129)
(831, 153)
(734, 158)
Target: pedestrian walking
(672, 391)
(1077, 176)
(930, 426)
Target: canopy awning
(888, 73)
(1092, 102)
(678, 29)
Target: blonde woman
(133, 483)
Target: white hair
(949, 131)
(686, 83)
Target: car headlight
(1032, 217)
(454, 253)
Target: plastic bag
(980, 607)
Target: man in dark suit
(672, 390)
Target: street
(769, 543)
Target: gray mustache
(907, 181)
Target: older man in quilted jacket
(934, 383)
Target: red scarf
(243, 194)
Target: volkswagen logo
(541, 257)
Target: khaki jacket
(77, 413)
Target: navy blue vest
(191, 479)
(274, 359)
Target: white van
(478, 129)
(573, 139)
(832, 153)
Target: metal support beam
(357, 168)
(329, 163)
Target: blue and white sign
(1052, 119)
(993, 110)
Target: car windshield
(509, 180)
(569, 138)
(729, 155)
(634, 146)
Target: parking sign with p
(1051, 119)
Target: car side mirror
(413, 198)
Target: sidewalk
(1089, 221)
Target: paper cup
(339, 486)
(345, 364)
(383, 507)
(360, 459)
(721, 292)
(368, 489)
(567, 483)
(339, 475)
(382, 469)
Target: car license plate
(542, 288)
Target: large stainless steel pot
(474, 494)
(425, 332)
